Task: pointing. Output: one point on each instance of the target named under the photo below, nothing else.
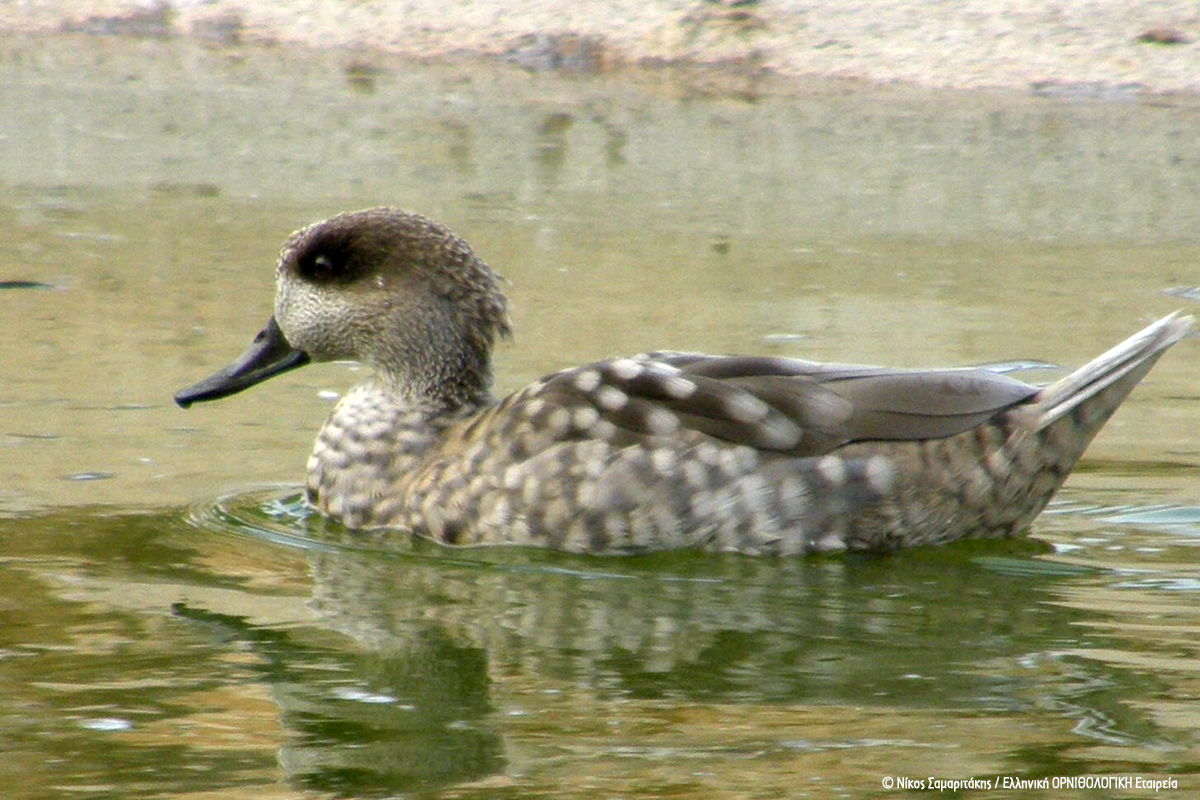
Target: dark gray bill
(268, 356)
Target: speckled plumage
(658, 451)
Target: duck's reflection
(401, 718)
(439, 635)
(691, 626)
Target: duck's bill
(269, 355)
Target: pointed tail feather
(1129, 361)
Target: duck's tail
(994, 479)
(1094, 391)
(1053, 430)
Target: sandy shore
(1085, 46)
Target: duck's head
(393, 290)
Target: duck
(664, 450)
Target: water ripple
(275, 513)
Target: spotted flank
(657, 451)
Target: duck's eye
(319, 268)
(323, 266)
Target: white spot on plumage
(702, 504)
(832, 469)
(708, 454)
(594, 457)
(513, 476)
(831, 543)
(559, 421)
(754, 491)
(334, 506)
(779, 433)
(728, 462)
(792, 496)
(587, 380)
(617, 528)
(626, 369)
(585, 417)
(997, 461)
(678, 388)
(663, 459)
(879, 474)
(604, 429)
(661, 422)
(576, 540)
(738, 459)
(501, 511)
(745, 407)
(534, 407)
(517, 530)
(611, 399)
(585, 495)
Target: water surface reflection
(368, 669)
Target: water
(173, 621)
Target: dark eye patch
(319, 268)
(329, 259)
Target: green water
(173, 622)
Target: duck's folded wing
(786, 405)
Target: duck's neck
(435, 394)
(373, 442)
(431, 359)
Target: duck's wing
(791, 406)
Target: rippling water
(252, 642)
(172, 625)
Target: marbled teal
(661, 450)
